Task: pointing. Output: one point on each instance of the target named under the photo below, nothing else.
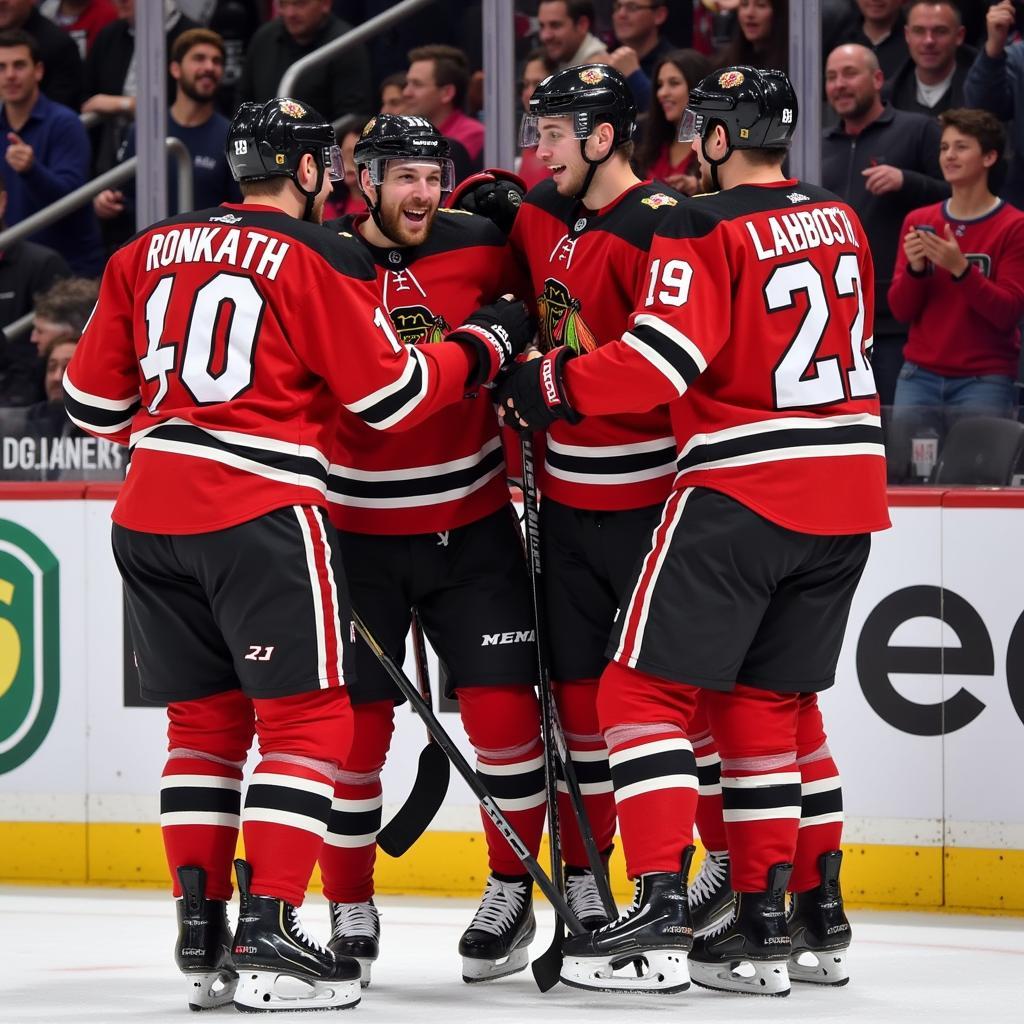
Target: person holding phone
(959, 283)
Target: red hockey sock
(710, 825)
(503, 724)
(756, 734)
(350, 846)
(644, 721)
(288, 802)
(821, 804)
(577, 710)
(201, 787)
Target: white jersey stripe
(318, 610)
(171, 818)
(333, 613)
(655, 785)
(289, 818)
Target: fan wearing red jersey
(221, 344)
(585, 236)
(425, 520)
(754, 327)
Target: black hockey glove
(494, 194)
(533, 394)
(497, 333)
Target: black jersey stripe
(668, 348)
(767, 441)
(399, 403)
(102, 420)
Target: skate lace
(354, 919)
(499, 906)
(299, 932)
(583, 896)
(709, 879)
(628, 912)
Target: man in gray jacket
(996, 83)
(884, 163)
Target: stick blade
(425, 798)
(547, 968)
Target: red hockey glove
(494, 194)
(533, 394)
(497, 333)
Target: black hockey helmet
(403, 137)
(268, 140)
(589, 94)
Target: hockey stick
(433, 773)
(547, 967)
(491, 809)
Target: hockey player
(222, 342)
(754, 327)
(585, 235)
(425, 520)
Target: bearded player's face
(409, 198)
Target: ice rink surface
(69, 955)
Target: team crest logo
(659, 199)
(368, 127)
(591, 76)
(560, 320)
(416, 325)
(292, 109)
(731, 79)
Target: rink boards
(926, 719)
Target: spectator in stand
(877, 25)
(63, 310)
(26, 269)
(536, 68)
(996, 83)
(111, 78)
(660, 154)
(197, 67)
(638, 28)
(959, 283)
(932, 79)
(46, 156)
(761, 36)
(884, 163)
(58, 54)
(564, 33)
(346, 197)
(81, 19)
(435, 88)
(236, 22)
(339, 86)
(21, 376)
(392, 94)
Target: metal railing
(367, 30)
(84, 194)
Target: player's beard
(570, 181)
(188, 87)
(395, 228)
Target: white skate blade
(826, 968)
(210, 990)
(474, 971)
(271, 990)
(748, 977)
(365, 969)
(664, 972)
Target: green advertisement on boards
(29, 643)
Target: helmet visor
(378, 169)
(333, 163)
(551, 127)
(690, 125)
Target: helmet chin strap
(592, 166)
(712, 163)
(307, 212)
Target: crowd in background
(920, 101)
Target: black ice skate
(279, 966)
(355, 932)
(496, 941)
(584, 898)
(203, 952)
(748, 952)
(654, 933)
(710, 893)
(819, 929)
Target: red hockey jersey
(219, 349)
(449, 470)
(588, 269)
(754, 325)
